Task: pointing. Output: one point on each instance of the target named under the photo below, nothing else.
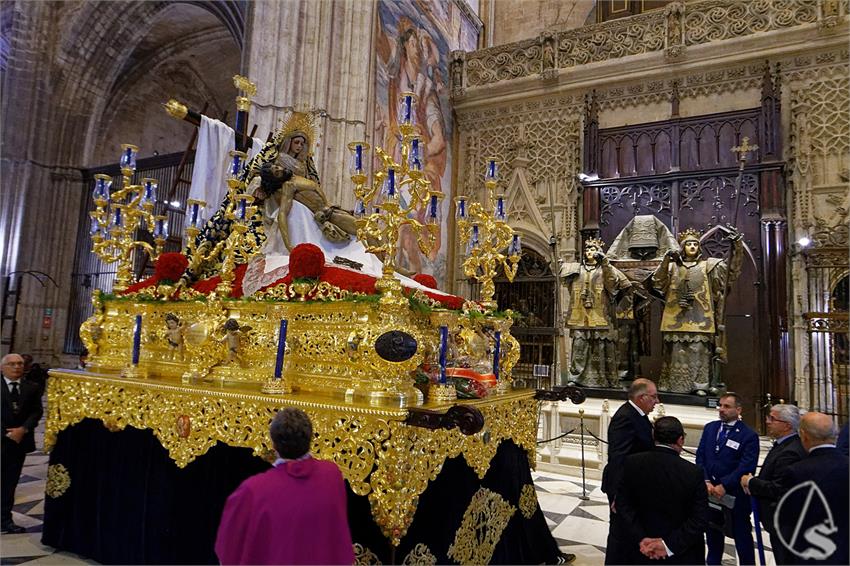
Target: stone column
(315, 55)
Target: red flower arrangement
(306, 261)
(425, 279)
(170, 266)
(207, 286)
(168, 269)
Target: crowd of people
(664, 507)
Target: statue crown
(595, 242)
(689, 234)
(303, 123)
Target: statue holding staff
(594, 287)
(692, 323)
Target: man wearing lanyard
(728, 450)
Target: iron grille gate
(827, 331)
(89, 271)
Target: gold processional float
(372, 370)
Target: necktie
(722, 436)
(15, 397)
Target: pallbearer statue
(692, 324)
(594, 287)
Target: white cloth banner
(215, 140)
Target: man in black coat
(20, 413)
(782, 424)
(663, 501)
(811, 520)
(629, 432)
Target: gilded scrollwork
(481, 528)
(420, 555)
(378, 454)
(58, 481)
(528, 501)
(363, 556)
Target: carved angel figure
(174, 336)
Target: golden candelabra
(398, 194)
(490, 242)
(117, 216)
(238, 210)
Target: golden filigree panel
(528, 501)
(58, 481)
(379, 455)
(481, 528)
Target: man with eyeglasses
(629, 432)
(783, 421)
(728, 450)
(21, 412)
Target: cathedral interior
(626, 128)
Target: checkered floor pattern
(580, 526)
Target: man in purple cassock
(294, 513)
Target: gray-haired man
(783, 421)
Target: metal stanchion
(584, 496)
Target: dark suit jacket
(663, 495)
(828, 469)
(29, 413)
(732, 460)
(766, 487)
(843, 443)
(628, 433)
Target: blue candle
(407, 106)
(415, 161)
(433, 207)
(492, 170)
(461, 208)
(474, 240)
(496, 352)
(235, 165)
(242, 208)
(391, 183)
(117, 220)
(516, 246)
(149, 193)
(137, 339)
(160, 228)
(281, 347)
(358, 157)
(444, 343)
(500, 208)
(193, 220)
